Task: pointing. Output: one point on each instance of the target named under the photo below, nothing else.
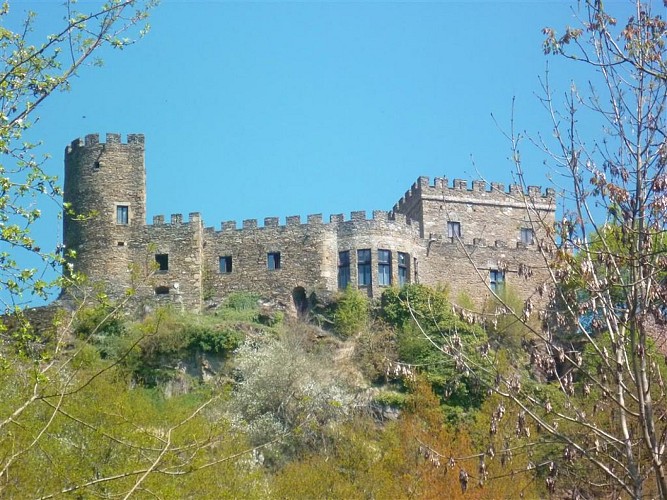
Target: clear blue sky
(282, 108)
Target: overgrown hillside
(355, 401)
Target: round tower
(105, 206)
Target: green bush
(218, 340)
(99, 321)
(392, 398)
(351, 312)
(241, 301)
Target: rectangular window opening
(225, 264)
(364, 267)
(343, 269)
(161, 290)
(384, 267)
(497, 280)
(453, 229)
(403, 268)
(527, 236)
(121, 243)
(122, 214)
(162, 261)
(273, 260)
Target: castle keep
(436, 234)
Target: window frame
(453, 229)
(496, 280)
(364, 267)
(384, 267)
(122, 214)
(403, 268)
(228, 261)
(273, 262)
(527, 235)
(344, 277)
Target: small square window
(225, 264)
(162, 260)
(122, 214)
(453, 229)
(273, 260)
(527, 236)
(497, 280)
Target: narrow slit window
(273, 260)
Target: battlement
(177, 219)
(312, 220)
(111, 139)
(480, 192)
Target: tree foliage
(597, 389)
(31, 69)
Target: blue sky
(266, 109)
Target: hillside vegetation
(357, 401)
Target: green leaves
(32, 68)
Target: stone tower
(105, 185)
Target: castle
(472, 240)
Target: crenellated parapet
(90, 140)
(479, 192)
(312, 221)
(177, 219)
(440, 232)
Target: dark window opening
(343, 269)
(162, 260)
(496, 280)
(384, 267)
(527, 236)
(121, 243)
(454, 229)
(273, 260)
(403, 268)
(161, 290)
(225, 264)
(364, 267)
(122, 214)
(96, 165)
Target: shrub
(351, 312)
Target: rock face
(436, 234)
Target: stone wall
(99, 177)
(126, 254)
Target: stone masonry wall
(122, 254)
(489, 214)
(98, 177)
